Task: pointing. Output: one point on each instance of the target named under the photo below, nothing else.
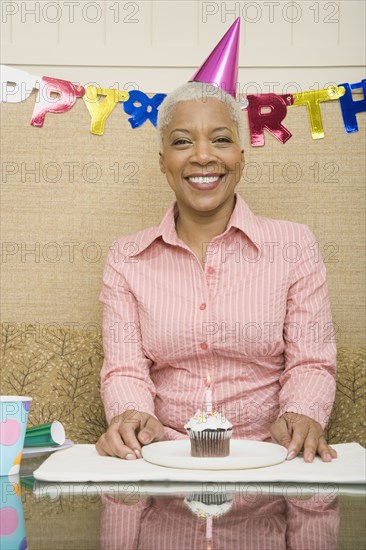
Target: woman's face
(201, 155)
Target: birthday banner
(265, 111)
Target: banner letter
(350, 107)
(258, 120)
(67, 94)
(312, 99)
(16, 85)
(100, 110)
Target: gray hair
(200, 92)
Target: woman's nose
(202, 152)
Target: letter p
(8, 9)
(8, 249)
(208, 8)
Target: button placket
(203, 307)
(203, 345)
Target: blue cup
(13, 423)
(12, 525)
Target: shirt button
(203, 306)
(210, 271)
(204, 345)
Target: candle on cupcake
(209, 532)
(208, 394)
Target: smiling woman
(193, 306)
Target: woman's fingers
(120, 439)
(111, 444)
(127, 433)
(311, 443)
(280, 432)
(305, 435)
(325, 451)
(152, 430)
(333, 452)
(132, 423)
(297, 432)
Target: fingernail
(145, 437)
(130, 457)
(291, 455)
(310, 457)
(137, 453)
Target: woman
(214, 290)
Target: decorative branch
(25, 379)
(75, 383)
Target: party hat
(221, 66)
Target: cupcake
(209, 434)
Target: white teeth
(204, 179)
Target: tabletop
(167, 516)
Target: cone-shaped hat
(221, 66)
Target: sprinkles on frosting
(208, 420)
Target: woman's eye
(222, 139)
(180, 141)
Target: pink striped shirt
(254, 522)
(257, 318)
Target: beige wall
(44, 216)
(159, 44)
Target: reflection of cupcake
(209, 504)
(209, 434)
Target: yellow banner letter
(312, 99)
(100, 110)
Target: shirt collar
(241, 218)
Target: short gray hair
(200, 92)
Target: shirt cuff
(320, 412)
(120, 394)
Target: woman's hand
(127, 433)
(296, 432)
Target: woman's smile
(201, 156)
(203, 182)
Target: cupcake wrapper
(210, 498)
(213, 443)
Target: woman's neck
(197, 228)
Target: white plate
(244, 454)
(35, 451)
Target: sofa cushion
(59, 368)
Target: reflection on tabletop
(222, 521)
(190, 515)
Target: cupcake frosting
(208, 421)
(202, 510)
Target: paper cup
(46, 435)
(13, 423)
(12, 525)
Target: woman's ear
(161, 162)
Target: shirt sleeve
(308, 380)
(125, 375)
(312, 523)
(121, 523)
